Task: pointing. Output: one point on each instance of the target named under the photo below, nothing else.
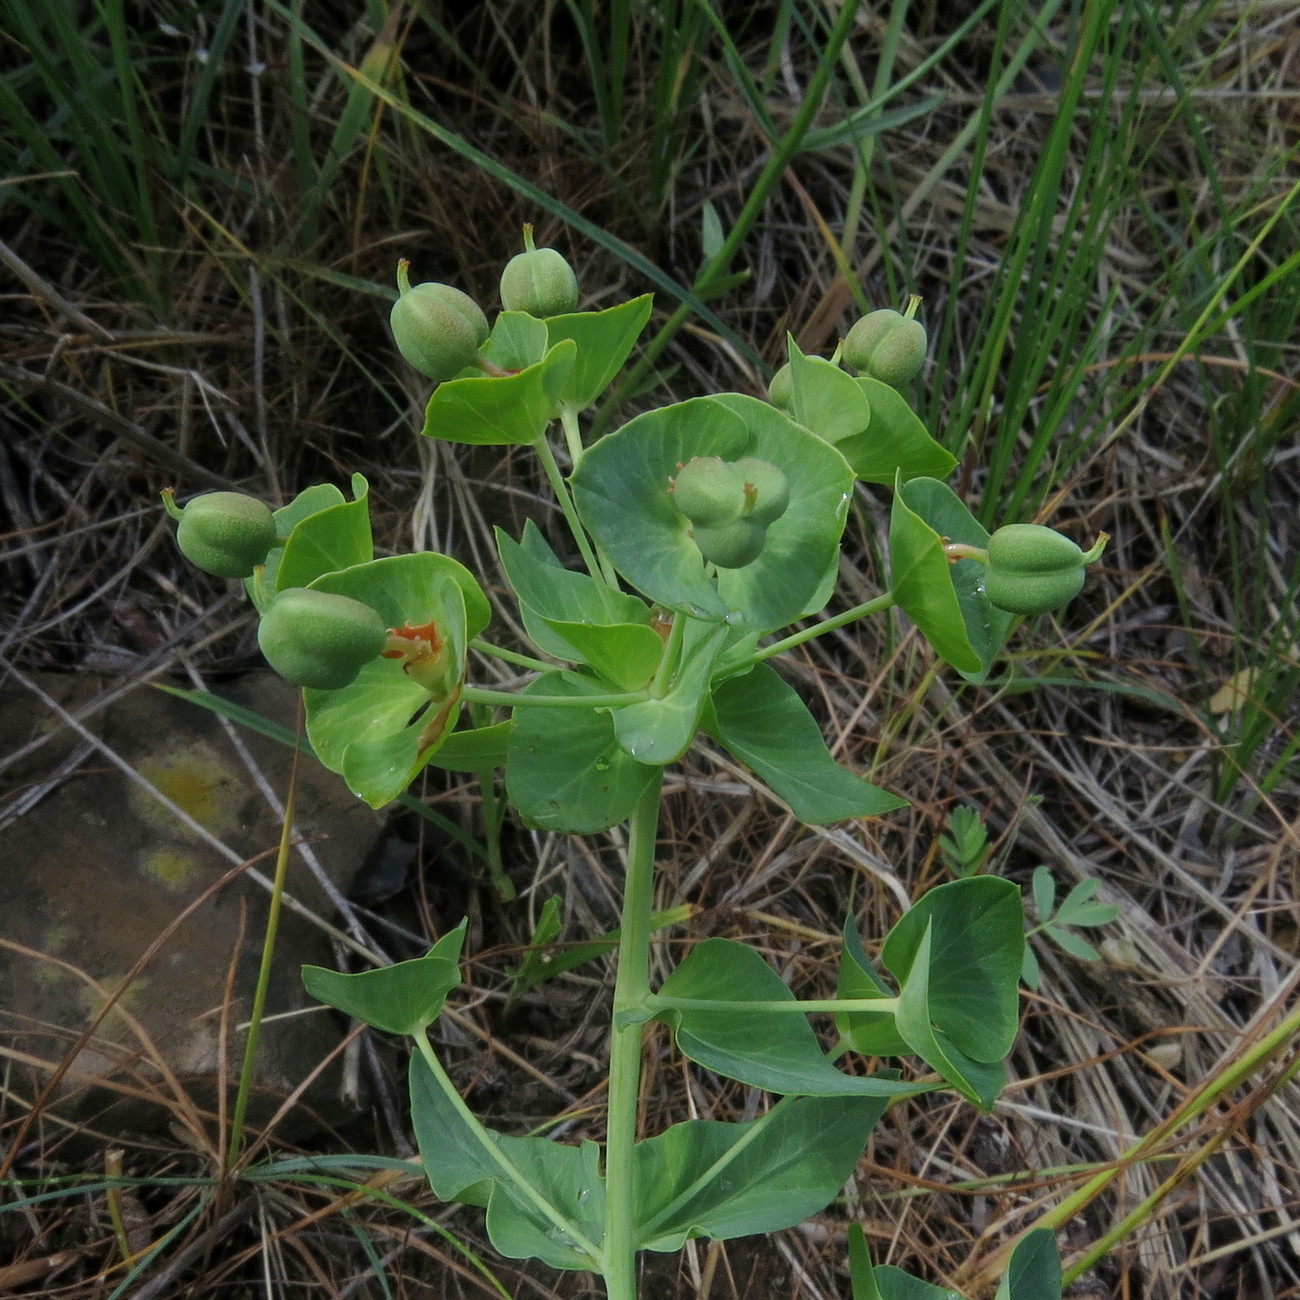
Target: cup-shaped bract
(227, 534)
(437, 328)
(318, 639)
(886, 345)
(1032, 569)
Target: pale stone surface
(98, 870)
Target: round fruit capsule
(226, 533)
(886, 345)
(1033, 569)
(538, 281)
(709, 491)
(318, 639)
(733, 545)
(767, 490)
(780, 392)
(438, 329)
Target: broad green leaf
(310, 501)
(826, 400)
(622, 492)
(764, 723)
(337, 537)
(872, 1034)
(1035, 1269)
(478, 749)
(978, 1081)
(978, 932)
(897, 445)
(705, 1178)
(549, 593)
(517, 341)
(938, 514)
(862, 1277)
(566, 771)
(460, 1160)
(922, 586)
(604, 339)
(894, 1284)
(661, 730)
(500, 409)
(401, 999)
(383, 728)
(624, 654)
(774, 1050)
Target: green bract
(226, 533)
(886, 345)
(538, 281)
(320, 640)
(438, 329)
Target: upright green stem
(561, 490)
(258, 1011)
(631, 991)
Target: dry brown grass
(270, 368)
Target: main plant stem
(631, 991)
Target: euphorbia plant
(706, 528)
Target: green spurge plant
(705, 528)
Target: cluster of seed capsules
(321, 640)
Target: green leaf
(764, 723)
(622, 493)
(458, 1159)
(1029, 971)
(979, 1081)
(661, 730)
(1035, 1269)
(533, 969)
(310, 501)
(711, 233)
(897, 445)
(826, 400)
(604, 340)
(1069, 942)
(1079, 909)
(566, 771)
(774, 1050)
(894, 1284)
(978, 932)
(862, 1277)
(977, 625)
(337, 537)
(500, 409)
(624, 654)
(705, 1178)
(478, 749)
(517, 341)
(871, 1033)
(549, 593)
(401, 999)
(922, 586)
(1044, 887)
(383, 728)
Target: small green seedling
(1078, 910)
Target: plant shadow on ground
(202, 299)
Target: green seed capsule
(1032, 569)
(318, 639)
(767, 490)
(226, 533)
(731, 546)
(780, 392)
(538, 281)
(438, 329)
(710, 491)
(888, 346)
